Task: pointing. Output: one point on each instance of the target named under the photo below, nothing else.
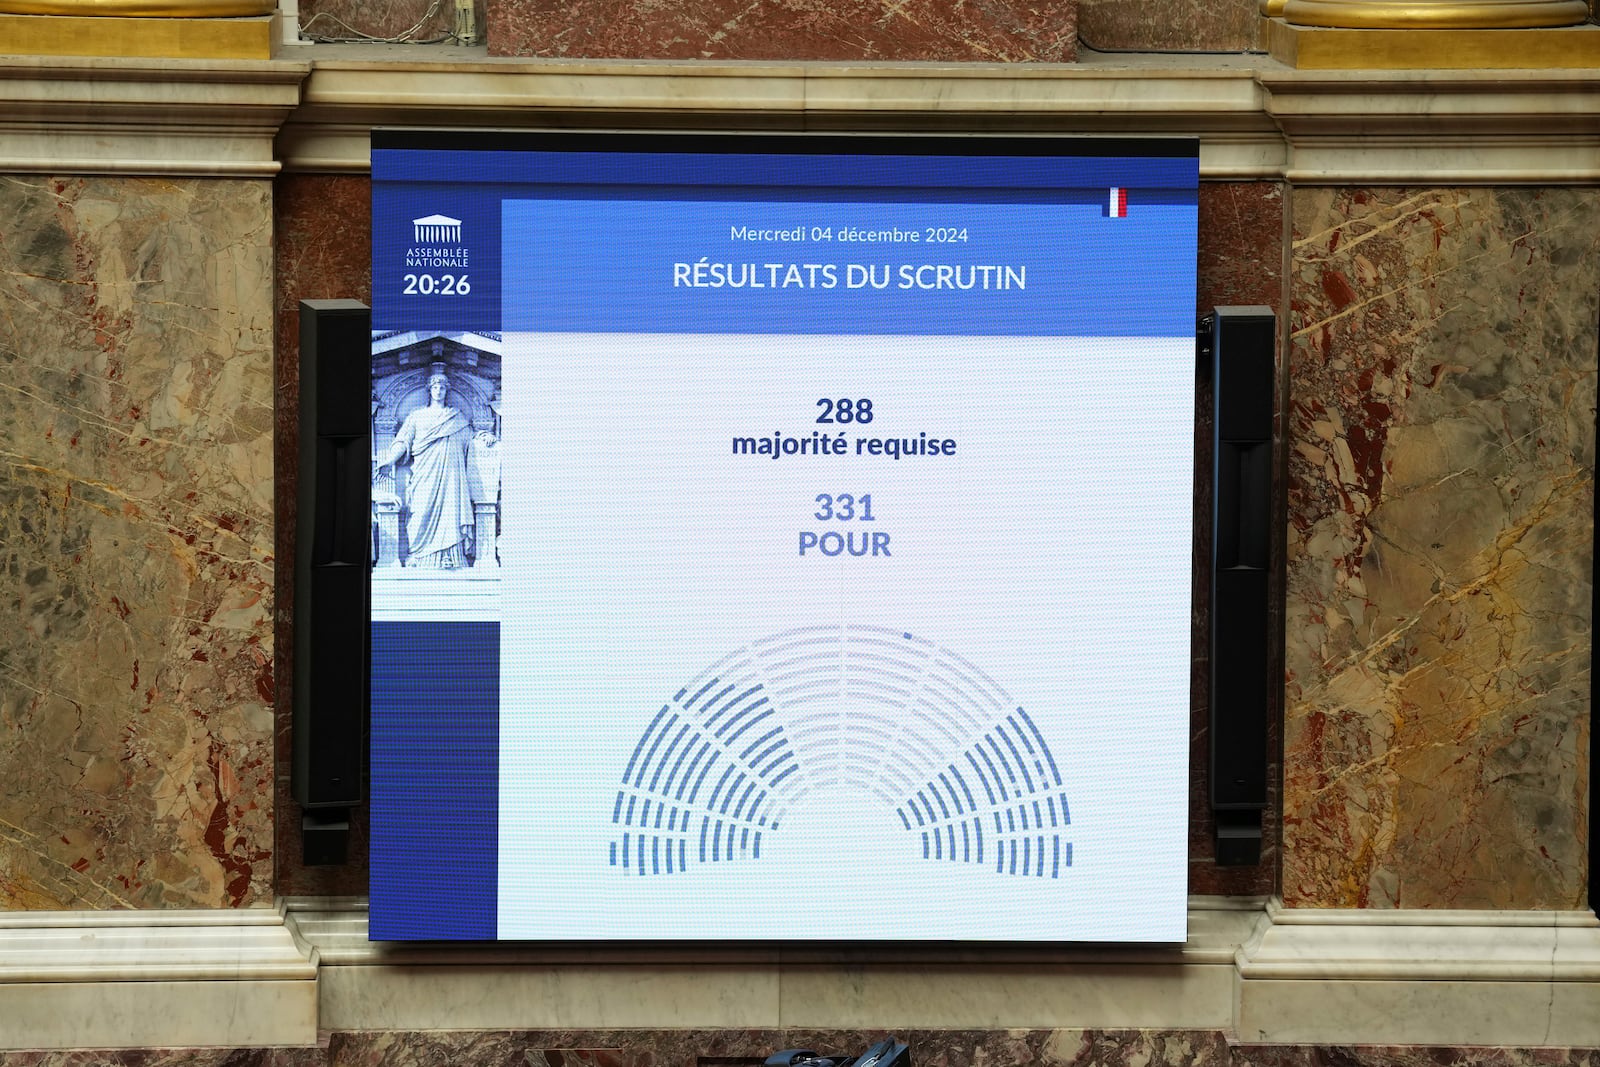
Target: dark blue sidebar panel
(435, 774)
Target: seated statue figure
(439, 521)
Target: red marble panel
(324, 251)
(1441, 493)
(1241, 262)
(1008, 31)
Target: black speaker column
(331, 573)
(1241, 355)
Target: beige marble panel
(135, 542)
(1441, 460)
(993, 996)
(490, 996)
(1421, 1013)
(158, 1014)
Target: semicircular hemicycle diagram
(963, 770)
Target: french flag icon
(1117, 203)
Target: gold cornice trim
(1429, 48)
(131, 37)
(1436, 14)
(187, 9)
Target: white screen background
(1052, 553)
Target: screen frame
(804, 144)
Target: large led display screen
(781, 537)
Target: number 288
(845, 410)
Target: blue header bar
(812, 268)
(592, 240)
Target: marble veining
(357, 20)
(1182, 25)
(323, 244)
(998, 31)
(1241, 262)
(323, 241)
(1441, 460)
(136, 529)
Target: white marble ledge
(100, 920)
(1217, 102)
(71, 116)
(586, 986)
(336, 929)
(1439, 127)
(1254, 118)
(119, 95)
(1572, 158)
(249, 945)
(970, 97)
(1286, 916)
(112, 81)
(1416, 99)
(1414, 945)
(996, 90)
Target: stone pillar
(135, 320)
(137, 763)
(1441, 451)
(487, 514)
(1440, 440)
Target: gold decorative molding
(1326, 48)
(139, 29)
(1436, 14)
(139, 38)
(184, 9)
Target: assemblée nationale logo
(436, 242)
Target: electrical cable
(358, 37)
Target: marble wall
(323, 233)
(421, 21)
(1441, 491)
(1241, 262)
(808, 29)
(323, 227)
(997, 31)
(1440, 440)
(136, 527)
(1176, 25)
(747, 1048)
